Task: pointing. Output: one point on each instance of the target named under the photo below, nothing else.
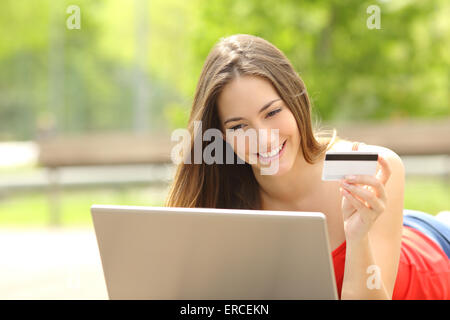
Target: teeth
(272, 153)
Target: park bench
(100, 149)
(412, 137)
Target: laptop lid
(200, 253)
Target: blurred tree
(351, 72)
(83, 80)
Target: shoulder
(341, 145)
(394, 160)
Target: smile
(269, 156)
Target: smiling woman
(246, 83)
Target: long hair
(234, 185)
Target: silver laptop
(204, 254)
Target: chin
(283, 169)
(284, 165)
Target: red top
(423, 270)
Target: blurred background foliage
(71, 81)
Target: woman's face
(250, 105)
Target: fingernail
(350, 178)
(346, 185)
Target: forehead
(244, 96)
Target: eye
(239, 126)
(272, 113)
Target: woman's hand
(364, 200)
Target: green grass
(430, 195)
(32, 209)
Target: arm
(373, 217)
(359, 257)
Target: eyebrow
(264, 107)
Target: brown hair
(234, 185)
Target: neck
(292, 189)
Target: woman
(248, 84)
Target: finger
(365, 213)
(346, 204)
(367, 206)
(366, 196)
(347, 207)
(368, 180)
(385, 169)
(368, 213)
(356, 203)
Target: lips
(268, 156)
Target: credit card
(337, 165)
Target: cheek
(288, 126)
(239, 145)
(247, 147)
(242, 147)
